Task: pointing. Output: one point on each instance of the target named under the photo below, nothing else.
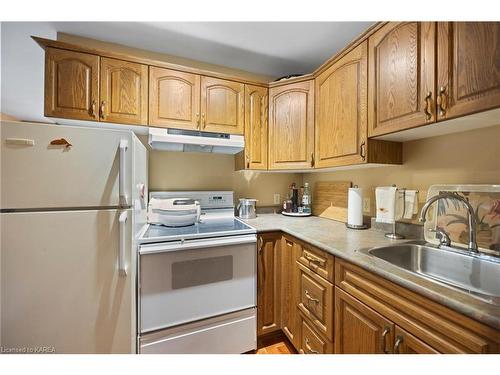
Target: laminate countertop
(334, 238)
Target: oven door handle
(181, 245)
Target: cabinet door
(256, 112)
(71, 84)
(406, 343)
(124, 92)
(291, 126)
(174, 99)
(289, 291)
(468, 68)
(359, 329)
(268, 298)
(341, 120)
(222, 106)
(401, 77)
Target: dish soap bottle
(306, 199)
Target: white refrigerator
(73, 200)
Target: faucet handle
(444, 237)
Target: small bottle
(306, 199)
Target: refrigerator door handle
(122, 171)
(122, 267)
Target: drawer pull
(310, 298)
(313, 259)
(309, 348)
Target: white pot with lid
(247, 208)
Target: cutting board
(330, 199)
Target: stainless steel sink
(478, 275)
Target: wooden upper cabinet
(174, 99)
(401, 77)
(268, 283)
(222, 105)
(341, 110)
(359, 329)
(124, 92)
(71, 84)
(468, 68)
(256, 112)
(291, 126)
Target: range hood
(195, 141)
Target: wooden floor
(274, 344)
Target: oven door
(185, 281)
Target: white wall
(22, 65)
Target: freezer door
(38, 174)
(62, 287)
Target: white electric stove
(198, 283)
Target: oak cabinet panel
(291, 126)
(316, 300)
(468, 68)
(401, 77)
(406, 343)
(268, 284)
(256, 114)
(71, 84)
(174, 99)
(124, 92)
(222, 105)
(341, 110)
(359, 329)
(289, 290)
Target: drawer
(318, 261)
(316, 300)
(311, 341)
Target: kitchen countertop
(334, 238)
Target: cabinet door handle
(384, 336)
(427, 107)
(310, 298)
(442, 101)
(197, 121)
(397, 345)
(309, 348)
(203, 122)
(312, 159)
(92, 108)
(248, 161)
(101, 109)
(362, 151)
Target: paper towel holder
(354, 226)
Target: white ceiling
(271, 48)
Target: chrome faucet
(472, 215)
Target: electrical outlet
(366, 205)
(277, 198)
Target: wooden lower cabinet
(289, 289)
(268, 283)
(359, 329)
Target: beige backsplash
(469, 157)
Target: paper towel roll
(355, 206)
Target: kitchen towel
(385, 198)
(411, 204)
